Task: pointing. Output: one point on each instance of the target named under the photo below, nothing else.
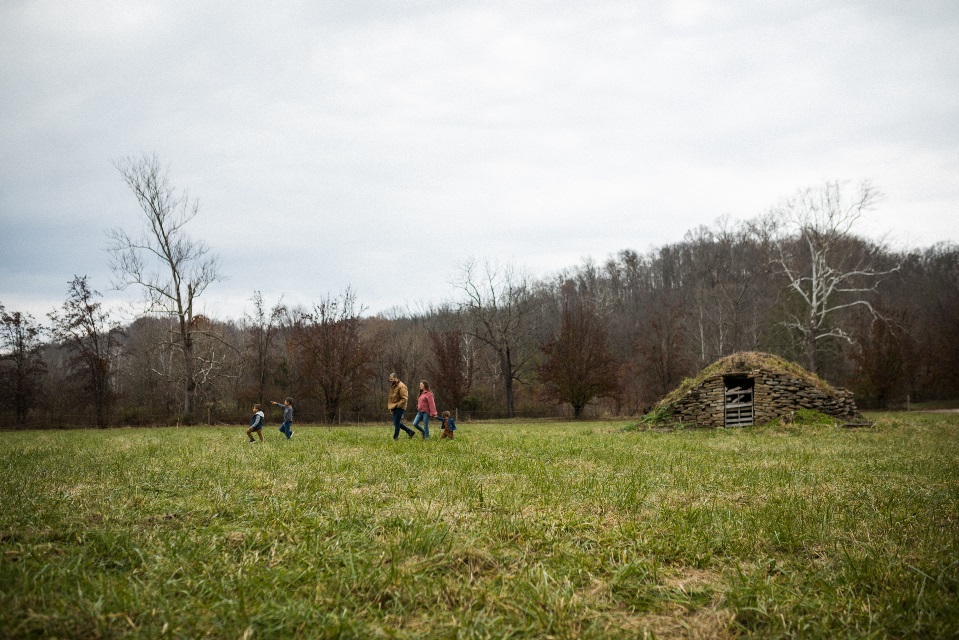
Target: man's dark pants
(398, 423)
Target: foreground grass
(546, 530)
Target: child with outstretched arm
(287, 427)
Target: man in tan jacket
(399, 395)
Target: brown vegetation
(597, 339)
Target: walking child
(287, 427)
(449, 426)
(256, 424)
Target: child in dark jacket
(449, 426)
(256, 424)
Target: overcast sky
(376, 144)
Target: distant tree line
(596, 339)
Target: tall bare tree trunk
(171, 268)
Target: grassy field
(513, 530)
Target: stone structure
(754, 388)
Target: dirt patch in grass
(690, 578)
(161, 519)
(235, 538)
(477, 563)
(703, 624)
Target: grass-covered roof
(743, 362)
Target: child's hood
(259, 413)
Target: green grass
(513, 530)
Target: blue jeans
(425, 418)
(398, 423)
(287, 428)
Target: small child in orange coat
(449, 426)
(256, 424)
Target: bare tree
(665, 361)
(218, 358)
(884, 360)
(728, 290)
(170, 268)
(336, 358)
(501, 307)
(90, 335)
(453, 370)
(579, 365)
(137, 367)
(826, 267)
(453, 364)
(262, 328)
(928, 290)
(21, 364)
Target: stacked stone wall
(775, 394)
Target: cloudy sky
(375, 144)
